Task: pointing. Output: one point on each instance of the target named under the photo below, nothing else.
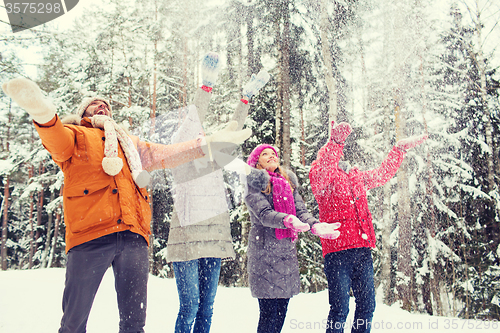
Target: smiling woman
(278, 214)
(268, 160)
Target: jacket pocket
(87, 205)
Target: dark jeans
(197, 282)
(127, 252)
(346, 270)
(272, 314)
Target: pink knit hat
(253, 158)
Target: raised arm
(156, 156)
(389, 167)
(57, 139)
(250, 89)
(325, 166)
(386, 170)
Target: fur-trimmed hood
(72, 119)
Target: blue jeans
(272, 314)
(346, 270)
(197, 282)
(127, 252)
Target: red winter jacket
(342, 197)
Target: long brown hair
(282, 172)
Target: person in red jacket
(341, 195)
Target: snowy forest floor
(30, 301)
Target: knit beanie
(253, 158)
(87, 101)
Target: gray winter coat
(273, 269)
(200, 225)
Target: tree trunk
(279, 91)
(327, 60)
(5, 204)
(48, 241)
(5, 209)
(285, 58)
(364, 102)
(41, 170)
(152, 117)
(252, 66)
(484, 102)
(32, 231)
(56, 231)
(404, 221)
(302, 130)
(399, 47)
(386, 273)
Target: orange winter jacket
(95, 203)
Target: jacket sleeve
(240, 114)
(323, 168)
(266, 215)
(201, 101)
(57, 139)
(158, 156)
(387, 170)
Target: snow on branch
(475, 192)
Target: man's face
(97, 108)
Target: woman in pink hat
(277, 214)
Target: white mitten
(210, 66)
(292, 222)
(228, 137)
(230, 163)
(141, 177)
(28, 95)
(255, 84)
(326, 230)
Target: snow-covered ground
(30, 301)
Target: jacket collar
(86, 122)
(74, 119)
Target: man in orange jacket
(106, 207)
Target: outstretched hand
(210, 67)
(292, 222)
(28, 95)
(231, 163)
(340, 132)
(228, 137)
(326, 230)
(411, 142)
(256, 83)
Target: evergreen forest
(391, 68)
